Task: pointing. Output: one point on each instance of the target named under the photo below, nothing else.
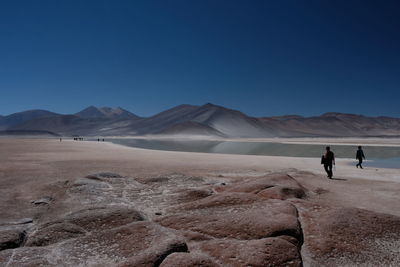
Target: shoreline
(350, 141)
(345, 141)
(310, 164)
(372, 162)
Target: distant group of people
(328, 160)
(81, 139)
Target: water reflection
(259, 148)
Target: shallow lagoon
(378, 156)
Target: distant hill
(205, 120)
(105, 112)
(27, 133)
(220, 120)
(21, 117)
(62, 124)
(90, 121)
(335, 125)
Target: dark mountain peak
(338, 114)
(287, 117)
(213, 109)
(331, 114)
(91, 107)
(183, 107)
(208, 104)
(33, 111)
(117, 112)
(105, 112)
(211, 105)
(90, 112)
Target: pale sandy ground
(37, 161)
(27, 166)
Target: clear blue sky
(261, 57)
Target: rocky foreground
(105, 219)
(90, 204)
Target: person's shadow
(339, 179)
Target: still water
(378, 156)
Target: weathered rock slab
(256, 253)
(189, 260)
(53, 233)
(268, 219)
(136, 244)
(101, 218)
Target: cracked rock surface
(110, 221)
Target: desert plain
(78, 203)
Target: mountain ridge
(207, 119)
(23, 116)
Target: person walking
(360, 156)
(328, 160)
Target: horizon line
(208, 103)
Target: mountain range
(205, 120)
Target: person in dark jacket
(360, 156)
(329, 160)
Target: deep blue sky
(261, 57)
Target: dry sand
(338, 218)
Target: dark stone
(24, 221)
(101, 175)
(11, 238)
(43, 201)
